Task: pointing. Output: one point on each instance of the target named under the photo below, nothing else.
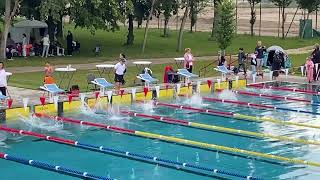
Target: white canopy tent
(30, 27)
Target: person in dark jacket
(315, 57)
(276, 65)
(242, 61)
(69, 43)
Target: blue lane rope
(160, 160)
(50, 167)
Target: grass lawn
(35, 79)
(113, 43)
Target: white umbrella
(275, 48)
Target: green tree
(215, 19)
(186, 6)
(168, 8)
(253, 17)
(96, 14)
(282, 4)
(10, 10)
(226, 24)
(52, 11)
(196, 6)
(30, 9)
(141, 10)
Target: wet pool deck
(17, 94)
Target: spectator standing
(259, 57)
(3, 80)
(69, 43)
(242, 61)
(45, 45)
(188, 60)
(24, 45)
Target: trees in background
(10, 9)
(168, 8)
(215, 19)
(282, 4)
(147, 26)
(253, 15)
(196, 6)
(226, 24)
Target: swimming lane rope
(219, 128)
(184, 141)
(113, 151)
(275, 97)
(264, 86)
(257, 106)
(50, 167)
(236, 115)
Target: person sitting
(170, 76)
(75, 91)
(223, 61)
(48, 71)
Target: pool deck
(17, 94)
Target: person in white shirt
(3, 80)
(46, 44)
(24, 45)
(120, 70)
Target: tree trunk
(165, 30)
(253, 18)
(7, 22)
(51, 28)
(283, 21)
(60, 27)
(215, 19)
(147, 27)
(292, 21)
(139, 23)
(183, 22)
(130, 36)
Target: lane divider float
(50, 167)
(263, 86)
(113, 151)
(275, 97)
(238, 116)
(219, 128)
(258, 106)
(171, 139)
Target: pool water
(122, 168)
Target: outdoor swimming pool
(129, 167)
